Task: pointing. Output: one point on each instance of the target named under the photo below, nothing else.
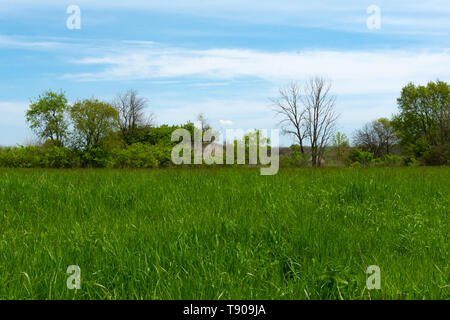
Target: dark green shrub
(96, 158)
(364, 158)
(392, 160)
(295, 158)
(137, 155)
(48, 156)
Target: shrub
(412, 162)
(57, 157)
(437, 155)
(364, 158)
(48, 156)
(355, 164)
(296, 158)
(392, 160)
(96, 158)
(137, 155)
(377, 162)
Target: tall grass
(225, 233)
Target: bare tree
(290, 108)
(320, 116)
(201, 118)
(377, 136)
(131, 112)
(366, 138)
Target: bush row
(143, 155)
(137, 155)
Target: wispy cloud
(223, 57)
(226, 122)
(354, 72)
(400, 16)
(27, 43)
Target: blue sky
(224, 58)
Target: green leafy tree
(93, 121)
(341, 145)
(424, 121)
(47, 117)
(161, 134)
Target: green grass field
(225, 233)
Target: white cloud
(358, 72)
(26, 43)
(226, 122)
(355, 72)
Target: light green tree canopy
(424, 119)
(93, 120)
(341, 144)
(46, 116)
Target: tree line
(417, 134)
(120, 133)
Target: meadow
(225, 233)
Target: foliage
(46, 116)
(295, 159)
(377, 137)
(93, 121)
(50, 156)
(423, 123)
(341, 145)
(160, 135)
(137, 155)
(364, 158)
(392, 160)
(96, 158)
(104, 135)
(252, 140)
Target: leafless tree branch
(289, 108)
(320, 116)
(131, 112)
